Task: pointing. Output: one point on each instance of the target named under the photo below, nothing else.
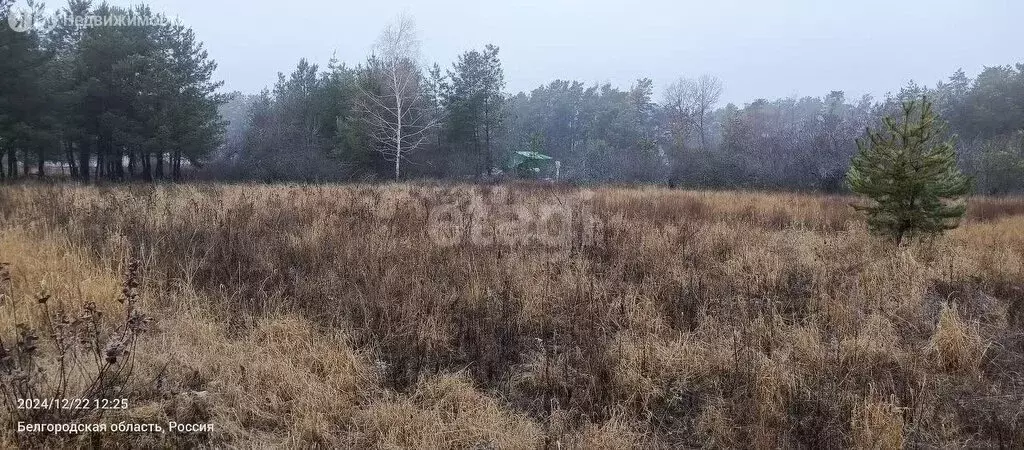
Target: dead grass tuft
(878, 425)
(957, 345)
(445, 411)
(615, 433)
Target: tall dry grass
(449, 316)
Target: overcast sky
(759, 48)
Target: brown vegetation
(453, 317)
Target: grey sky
(758, 48)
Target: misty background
(758, 95)
(759, 49)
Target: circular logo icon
(21, 18)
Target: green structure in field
(532, 165)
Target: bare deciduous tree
(391, 100)
(689, 102)
(706, 92)
(679, 105)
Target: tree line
(105, 102)
(140, 103)
(467, 126)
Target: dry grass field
(436, 316)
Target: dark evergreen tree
(475, 104)
(98, 97)
(26, 122)
(908, 172)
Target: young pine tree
(909, 173)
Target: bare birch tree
(706, 92)
(391, 99)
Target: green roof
(533, 155)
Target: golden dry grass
(437, 316)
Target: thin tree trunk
(487, 139)
(100, 160)
(69, 157)
(176, 166)
(119, 165)
(476, 148)
(487, 148)
(703, 139)
(147, 172)
(84, 148)
(398, 144)
(398, 129)
(12, 162)
(41, 164)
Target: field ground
(527, 316)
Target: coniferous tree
(909, 173)
(474, 102)
(25, 121)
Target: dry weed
(956, 345)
